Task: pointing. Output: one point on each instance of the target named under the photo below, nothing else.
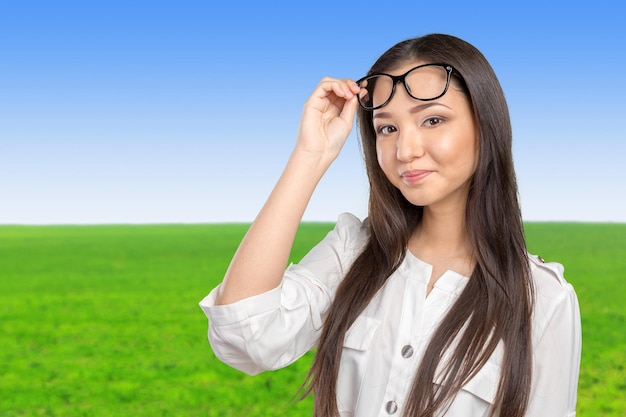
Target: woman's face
(428, 149)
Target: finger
(344, 91)
(348, 89)
(349, 110)
(345, 88)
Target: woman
(431, 306)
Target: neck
(442, 232)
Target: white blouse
(382, 349)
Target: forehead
(455, 97)
(404, 67)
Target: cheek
(456, 149)
(446, 149)
(473, 151)
(474, 160)
(380, 155)
(386, 158)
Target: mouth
(414, 176)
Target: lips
(415, 176)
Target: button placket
(403, 363)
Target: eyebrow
(414, 109)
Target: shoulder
(350, 221)
(339, 248)
(552, 292)
(547, 277)
(352, 231)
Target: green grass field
(104, 320)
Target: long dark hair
(471, 330)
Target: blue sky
(183, 111)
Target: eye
(385, 130)
(433, 121)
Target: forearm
(260, 260)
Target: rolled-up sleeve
(557, 359)
(272, 330)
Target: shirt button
(391, 407)
(407, 351)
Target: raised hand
(260, 261)
(327, 118)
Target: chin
(417, 201)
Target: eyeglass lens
(422, 83)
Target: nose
(409, 144)
(409, 140)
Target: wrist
(311, 162)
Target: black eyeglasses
(424, 82)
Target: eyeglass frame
(402, 78)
